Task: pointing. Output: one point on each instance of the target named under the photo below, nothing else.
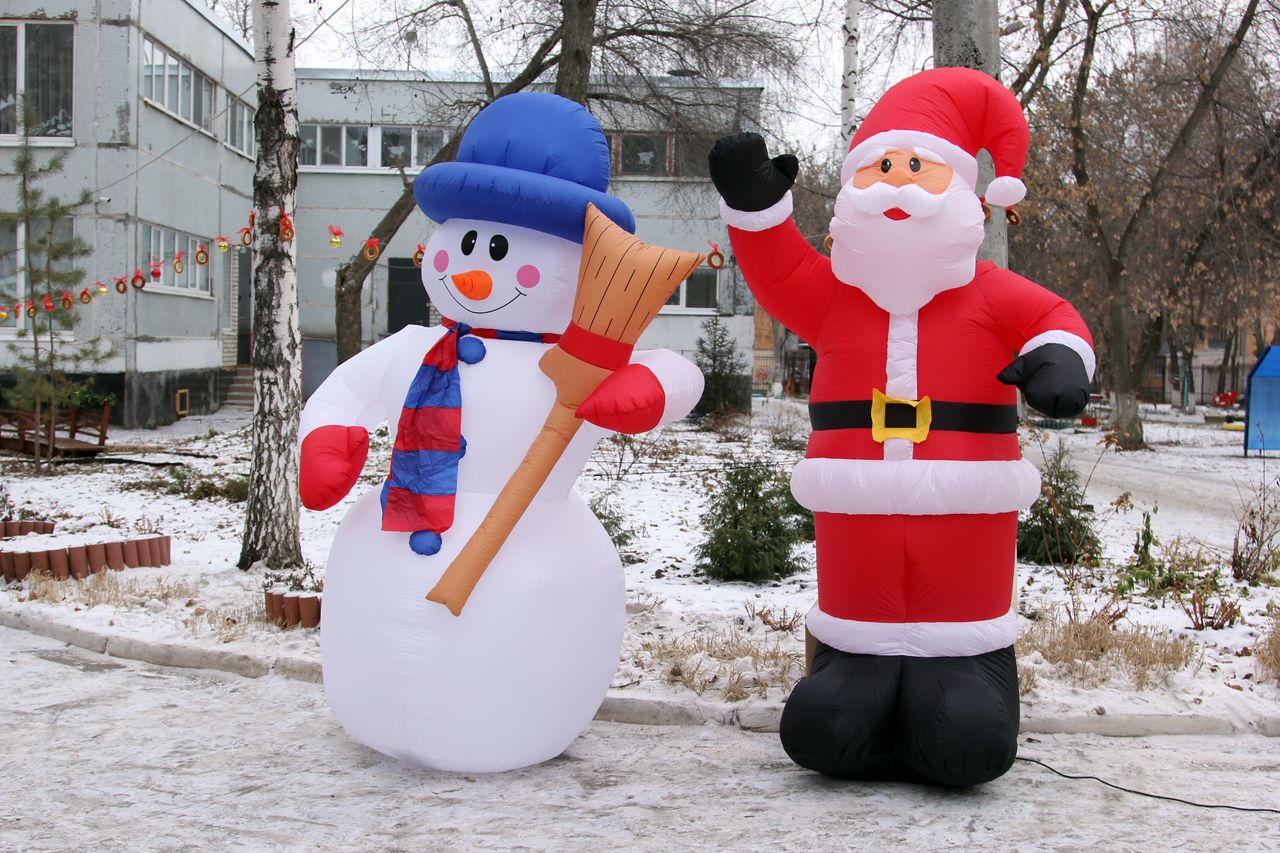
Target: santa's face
(501, 276)
(906, 228)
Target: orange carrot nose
(473, 284)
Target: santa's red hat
(950, 113)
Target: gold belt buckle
(916, 434)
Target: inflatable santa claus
(913, 469)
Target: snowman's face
(501, 276)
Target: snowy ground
(685, 633)
(101, 754)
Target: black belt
(956, 417)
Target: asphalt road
(103, 754)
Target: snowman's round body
(519, 674)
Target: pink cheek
(528, 276)
(441, 261)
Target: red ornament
(122, 283)
(179, 266)
(48, 303)
(202, 254)
(372, 249)
(155, 269)
(286, 227)
(139, 280)
(418, 255)
(246, 236)
(66, 300)
(85, 296)
(31, 310)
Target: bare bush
(785, 620)
(1207, 614)
(1267, 652)
(1255, 554)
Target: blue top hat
(530, 159)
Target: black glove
(1053, 378)
(744, 175)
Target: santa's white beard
(902, 264)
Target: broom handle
(455, 585)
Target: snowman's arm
(352, 393)
(681, 381)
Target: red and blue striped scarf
(418, 496)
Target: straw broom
(622, 283)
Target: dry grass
(786, 621)
(1267, 651)
(103, 588)
(229, 624)
(727, 662)
(1095, 647)
(1027, 679)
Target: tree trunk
(849, 79)
(271, 532)
(966, 33)
(1124, 380)
(574, 71)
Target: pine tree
(727, 386)
(47, 305)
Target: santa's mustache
(880, 197)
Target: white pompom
(1005, 191)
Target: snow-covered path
(97, 753)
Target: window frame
(160, 243)
(19, 25)
(18, 320)
(313, 133)
(195, 104)
(681, 306)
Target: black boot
(841, 719)
(959, 717)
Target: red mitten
(332, 459)
(631, 400)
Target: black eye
(914, 164)
(469, 242)
(498, 247)
(885, 165)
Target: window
(357, 150)
(397, 144)
(427, 141)
(36, 62)
(181, 90)
(350, 145)
(13, 283)
(239, 133)
(644, 154)
(163, 244)
(697, 291)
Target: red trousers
(916, 568)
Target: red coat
(915, 538)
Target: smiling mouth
(897, 214)
(449, 290)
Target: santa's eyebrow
(926, 154)
(873, 155)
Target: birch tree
(849, 77)
(271, 532)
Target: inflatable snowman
(518, 674)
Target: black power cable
(1152, 796)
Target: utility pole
(966, 33)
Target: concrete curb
(617, 707)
